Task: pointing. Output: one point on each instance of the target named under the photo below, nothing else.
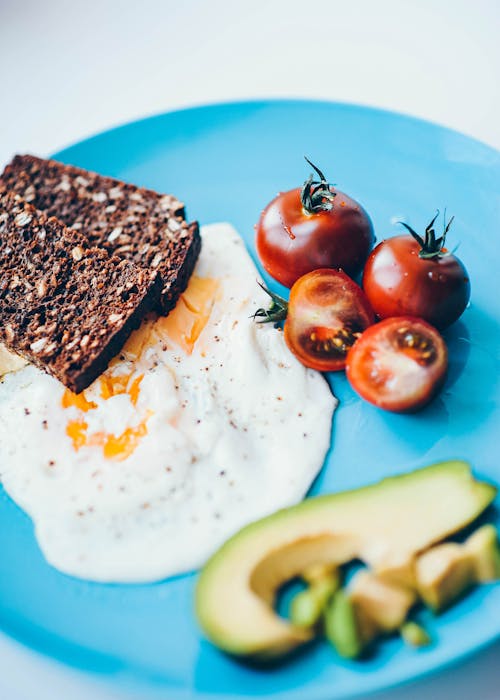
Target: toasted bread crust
(134, 223)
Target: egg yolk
(183, 326)
(116, 447)
(69, 398)
(119, 384)
(186, 321)
(77, 431)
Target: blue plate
(227, 161)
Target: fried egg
(203, 423)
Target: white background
(69, 69)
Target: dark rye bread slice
(135, 223)
(64, 305)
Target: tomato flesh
(398, 282)
(398, 364)
(290, 242)
(327, 312)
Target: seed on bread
(137, 224)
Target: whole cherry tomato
(411, 275)
(310, 228)
(398, 364)
(325, 315)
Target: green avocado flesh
(415, 635)
(385, 525)
(447, 571)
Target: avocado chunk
(443, 574)
(384, 525)
(483, 548)
(307, 606)
(386, 604)
(341, 626)
(415, 635)
(448, 570)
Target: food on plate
(443, 573)
(385, 603)
(413, 275)
(377, 607)
(415, 635)
(313, 227)
(446, 571)
(325, 315)
(381, 524)
(202, 423)
(306, 608)
(341, 626)
(65, 306)
(484, 550)
(136, 224)
(9, 361)
(398, 364)
(367, 608)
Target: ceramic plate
(227, 161)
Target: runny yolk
(182, 326)
(115, 447)
(69, 398)
(77, 431)
(119, 447)
(139, 341)
(112, 385)
(186, 321)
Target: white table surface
(70, 69)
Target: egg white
(196, 429)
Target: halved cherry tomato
(398, 364)
(310, 228)
(327, 312)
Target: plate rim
(262, 102)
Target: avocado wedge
(385, 525)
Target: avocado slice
(341, 626)
(448, 570)
(384, 525)
(307, 607)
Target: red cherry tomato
(398, 364)
(410, 275)
(312, 228)
(327, 312)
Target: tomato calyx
(431, 246)
(317, 195)
(276, 312)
